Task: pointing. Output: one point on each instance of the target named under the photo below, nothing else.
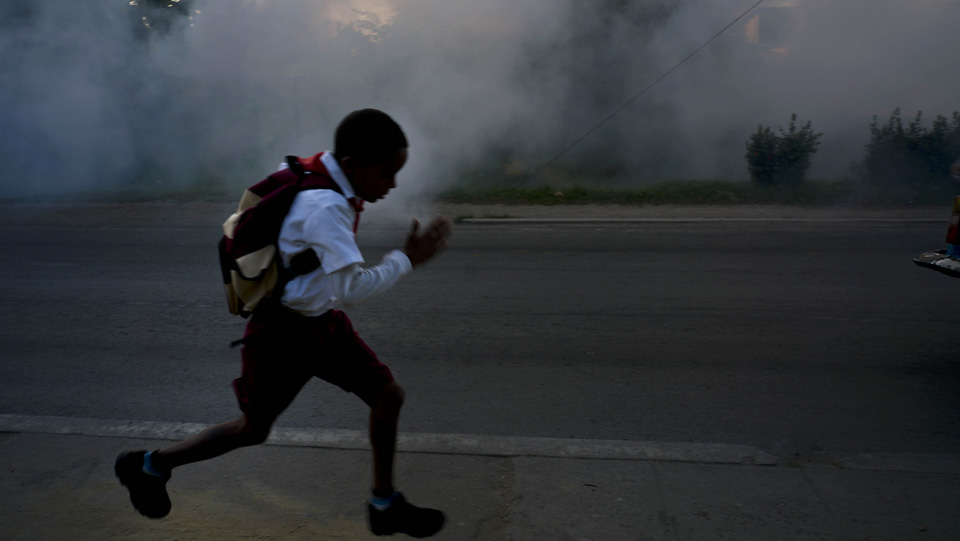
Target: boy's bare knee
(397, 394)
(253, 432)
(390, 398)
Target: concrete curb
(455, 444)
(504, 221)
(495, 446)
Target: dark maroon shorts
(283, 349)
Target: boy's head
(371, 149)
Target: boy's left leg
(384, 415)
(388, 510)
(354, 367)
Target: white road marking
(459, 444)
(486, 221)
(497, 446)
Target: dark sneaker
(147, 492)
(404, 517)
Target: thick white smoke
(495, 87)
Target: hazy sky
(494, 87)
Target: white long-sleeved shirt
(355, 284)
(322, 220)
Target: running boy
(302, 335)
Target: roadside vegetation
(695, 192)
(663, 193)
(781, 158)
(902, 165)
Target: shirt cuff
(401, 258)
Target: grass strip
(810, 193)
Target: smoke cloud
(93, 96)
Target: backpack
(250, 261)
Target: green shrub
(913, 156)
(781, 158)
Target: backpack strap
(302, 263)
(306, 261)
(296, 167)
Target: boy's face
(372, 181)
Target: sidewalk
(61, 486)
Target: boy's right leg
(265, 388)
(212, 442)
(147, 485)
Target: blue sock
(382, 504)
(148, 466)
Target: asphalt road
(804, 339)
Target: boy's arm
(353, 284)
(420, 247)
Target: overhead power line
(641, 93)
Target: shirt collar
(337, 174)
